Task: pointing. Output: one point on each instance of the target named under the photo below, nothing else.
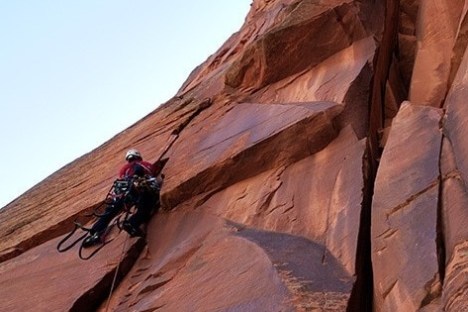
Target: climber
(144, 194)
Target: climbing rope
(116, 273)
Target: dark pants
(146, 204)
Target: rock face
(404, 222)
(317, 161)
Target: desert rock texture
(321, 164)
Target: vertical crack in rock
(382, 68)
(440, 243)
(92, 299)
(204, 104)
(362, 295)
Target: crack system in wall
(362, 294)
(440, 240)
(93, 298)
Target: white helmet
(132, 153)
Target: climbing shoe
(92, 240)
(131, 230)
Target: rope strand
(116, 272)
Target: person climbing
(144, 194)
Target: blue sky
(75, 73)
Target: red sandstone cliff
(328, 174)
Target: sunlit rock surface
(299, 180)
(404, 212)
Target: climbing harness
(120, 191)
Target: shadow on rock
(308, 262)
